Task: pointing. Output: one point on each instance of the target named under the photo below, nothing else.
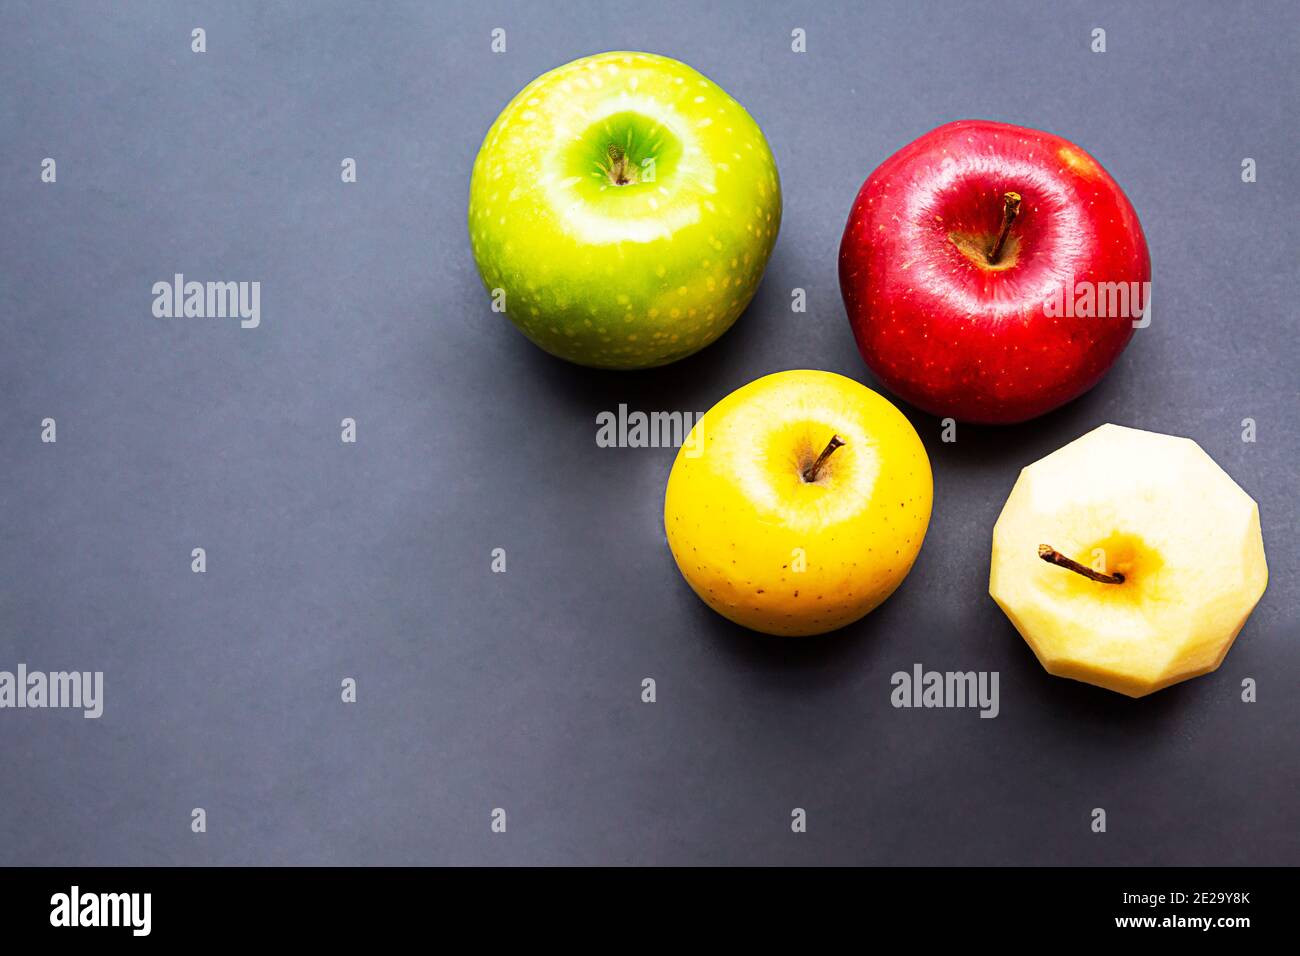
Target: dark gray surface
(521, 690)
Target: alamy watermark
(83, 690)
(625, 429)
(208, 300)
(75, 908)
(1100, 300)
(922, 688)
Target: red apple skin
(955, 337)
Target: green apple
(622, 210)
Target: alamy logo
(36, 689)
(1100, 300)
(208, 300)
(624, 429)
(922, 688)
(75, 908)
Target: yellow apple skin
(1155, 508)
(741, 520)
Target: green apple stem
(811, 473)
(1010, 209)
(1052, 556)
(619, 169)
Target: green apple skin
(628, 275)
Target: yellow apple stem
(1010, 209)
(619, 170)
(812, 472)
(1052, 556)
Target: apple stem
(618, 167)
(1010, 209)
(812, 472)
(1052, 556)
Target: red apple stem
(811, 473)
(618, 166)
(1010, 209)
(1052, 556)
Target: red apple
(992, 273)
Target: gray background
(522, 690)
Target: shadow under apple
(1010, 447)
(1087, 713)
(694, 383)
(820, 660)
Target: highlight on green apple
(622, 210)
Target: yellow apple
(1128, 559)
(798, 503)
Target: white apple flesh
(1169, 554)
